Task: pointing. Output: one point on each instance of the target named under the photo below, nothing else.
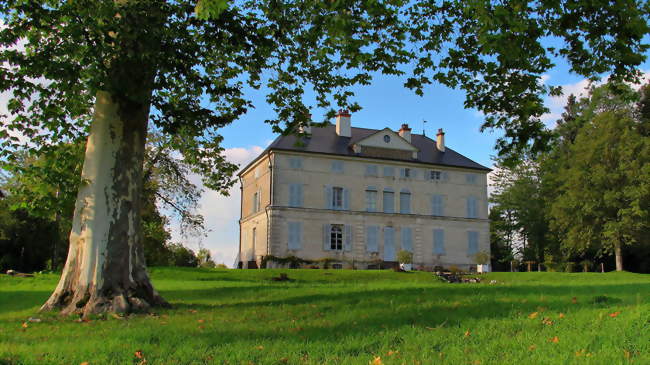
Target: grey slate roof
(326, 141)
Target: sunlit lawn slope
(344, 317)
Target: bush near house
(343, 317)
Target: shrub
(569, 266)
(405, 257)
(482, 258)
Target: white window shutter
(298, 235)
(346, 199)
(292, 195)
(328, 197)
(300, 195)
(371, 238)
(407, 239)
(326, 237)
(438, 242)
(294, 235)
(348, 238)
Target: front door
(389, 244)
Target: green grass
(344, 317)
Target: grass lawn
(344, 317)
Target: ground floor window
(336, 237)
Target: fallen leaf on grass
(532, 348)
(376, 361)
(139, 354)
(25, 325)
(468, 333)
(192, 310)
(84, 363)
(574, 300)
(201, 321)
(554, 340)
(561, 315)
(629, 354)
(391, 352)
(547, 321)
(614, 315)
(260, 347)
(533, 315)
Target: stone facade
(315, 206)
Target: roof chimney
(440, 142)
(343, 127)
(405, 132)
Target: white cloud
(579, 89)
(221, 213)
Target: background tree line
(37, 200)
(587, 199)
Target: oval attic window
(386, 138)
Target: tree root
(85, 304)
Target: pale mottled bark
(619, 257)
(105, 270)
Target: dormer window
(435, 175)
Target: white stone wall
(316, 173)
(456, 243)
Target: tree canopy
(588, 197)
(199, 67)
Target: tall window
(437, 205)
(389, 201)
(372, 238)
(405, 202)
(435, 175)
(295, 195)
(438, 242)
(256, 201)
(407, 239)
(253, 243)
(472, 243)
(472, 207)
(295, 235)
(406, 173)
(295, 162)
(470, 178)
(337, 166)
(371, 199)
(389, 171)
(336, 237)
(371, 170)
(337, 197)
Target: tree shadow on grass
(325, 318)
(20, 300)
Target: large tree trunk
(105, 270)
(619, 257)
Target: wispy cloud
(221, 213)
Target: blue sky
(385, 103)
